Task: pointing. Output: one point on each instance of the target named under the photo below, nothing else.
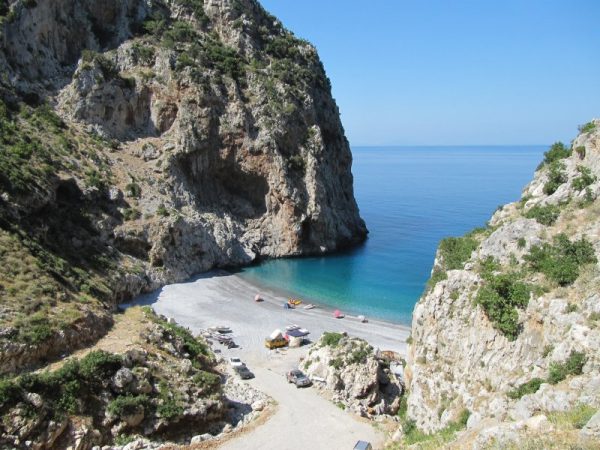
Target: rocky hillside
(163, 387)
(353, 375)
(506, 338)
(145, 141)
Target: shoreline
(223, 298)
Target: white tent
(277, 334)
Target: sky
(455, 72)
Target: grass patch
(412, 435)
(576, 417)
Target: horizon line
(447, 145)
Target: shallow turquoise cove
(410, 198)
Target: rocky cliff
(507, 333)
(147, 140)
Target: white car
(236, 362)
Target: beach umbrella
(257, 298)
(336, 313)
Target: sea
(410, 199)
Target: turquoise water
(410, 198)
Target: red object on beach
(258, 298)
(337, 314)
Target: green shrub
(556, 177)
(488, 266)
(131, 214)
(133, 190)
(99, 365)
(197, 7)
(127, 405)
(580, 151)
(331, 339)
(4, 8)
(336, 363)
(587, 127)
(562, 260)
(557, 151)
(169, 406)
(437, 276)
(194, 347)
(35, 330)
(585, 178)
(184, 60)
(207, 380)
(297, 163)
(179, 31)
(455, 251)
(546, 215)
(499, 297)
(93, 178)
(522, 243)
(573, 365)
(9, 392)
(225, 59)
(143, 53)
(531, 387)
(162, 211)
(359, 356)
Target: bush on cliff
(561, 261)
(556, 177)
(500, 297)
(455, 251)
(573, 365)
(531, 387)
(557, 151)
(546, 215)
(585, 178)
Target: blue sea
(410, 198)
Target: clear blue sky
(452, 72)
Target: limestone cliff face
(466, 355)
(200, 134)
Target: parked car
(243, 372)
(236, 362)
(298, 378)
(363, 445)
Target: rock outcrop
(353, 375)
(190, 135)
(508, 329)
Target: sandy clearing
(124, 335)
(303, 419)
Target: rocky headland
(146, 141)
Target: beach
(220, 298)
